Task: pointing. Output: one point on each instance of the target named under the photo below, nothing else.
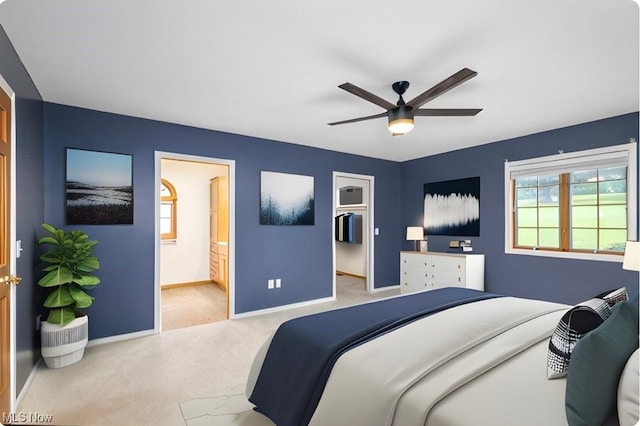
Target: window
(578, 205)
(168, 209)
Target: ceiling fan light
(400, 126)
(400, 119)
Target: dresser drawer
(414, 261)
(448, 279)
(451, 264)
(409, 286)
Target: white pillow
(628, 398)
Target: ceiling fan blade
(367, 96)
(447, 112)
(354, 120)
(442, 87)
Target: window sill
(601, 257)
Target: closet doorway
(194, 240)
(353, 229)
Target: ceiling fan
(402, 113)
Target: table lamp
(416, 234)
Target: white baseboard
(387, 288)
(27, 383)
(283, 307)
(120, 337)
(301, 304)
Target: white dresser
(427, 271)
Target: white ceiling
(271, 69)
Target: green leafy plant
(70, 263)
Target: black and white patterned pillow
(614, 296)
(574, 324)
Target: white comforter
(413, 375)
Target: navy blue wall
(300, 255)
(561, 280)
(29, 201)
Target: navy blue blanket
(304, 350)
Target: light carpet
(189, 376)
(187, 306)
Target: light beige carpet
(187, 376)
(192, 305)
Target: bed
(451, 356)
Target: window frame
(173, 199)
(565, 161)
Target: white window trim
(561, 158)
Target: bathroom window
(168, 209)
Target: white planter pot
(62, 346)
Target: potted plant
(68, 273)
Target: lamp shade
(632, 256)
(415, 233)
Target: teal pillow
(596, 364)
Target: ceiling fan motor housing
(400, 119)
(402, 112)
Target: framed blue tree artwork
(286, 199)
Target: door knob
(13, 280)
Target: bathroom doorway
(194, 240)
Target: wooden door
(5, 280)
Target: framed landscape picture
(99, 188)
(452, 207)
(286, 199)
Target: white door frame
(370, 229)
(13, 254)
(160, 155)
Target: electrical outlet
(278, 282)
(270, 284)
